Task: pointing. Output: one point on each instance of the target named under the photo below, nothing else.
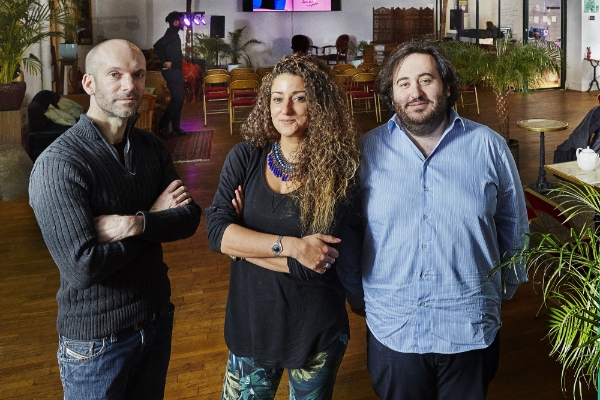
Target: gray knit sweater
(106, 287)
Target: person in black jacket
(105, 195)
(168, 49)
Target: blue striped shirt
(435, 227)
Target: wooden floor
(29, 280)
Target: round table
(542, 125)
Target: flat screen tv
(292, 5)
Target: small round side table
(542, 125)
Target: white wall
(274, 29)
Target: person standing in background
(168, 50)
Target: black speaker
(217, 26)
(456, 20)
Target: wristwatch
(277, 247)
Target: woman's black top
(279, 319)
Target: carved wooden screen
(382, 25)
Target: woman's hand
(314, 252)
(238, 201)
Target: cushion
(60, 117)
(71, 107)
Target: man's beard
(426, 122)
(111, 109)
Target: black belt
(143, 323)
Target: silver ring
(327, 266)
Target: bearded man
(105, 195)
(442, 205)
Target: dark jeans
(127, 365)
(172, 113)
(431, 376)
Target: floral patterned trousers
(245, 381)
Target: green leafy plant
(206, 48)
(569, 271)
(237, 49)
(24, 23)
(510, 67)
(69, 17)
(356, 50)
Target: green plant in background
(511, 67)
(356, 49)
(24, 23)
(237, 49)
(569, 271)
(69, 17)
(205, 48)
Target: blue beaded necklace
(279, 166)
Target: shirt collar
(395, 123)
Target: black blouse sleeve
(221, 213)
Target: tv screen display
(292, 5)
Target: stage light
(186, 20)
(199, 19)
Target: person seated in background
(492, 31)
(287, 212)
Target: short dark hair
(173, 16)
(445, 68)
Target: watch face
(277, 248)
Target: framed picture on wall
(463, 5)
(85, 35)
(590, 6)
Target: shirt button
(422, 303)
(426, 189)
(424, 246)
(423, 274)
(425, 216)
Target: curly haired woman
(287, 212)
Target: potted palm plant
(356, 50)
(237, 49)
(568, 268)
(510, 67)
(206, 48)
(24, 23)
(69, 18)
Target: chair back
(262, 71)
(341, 45)
(215, 79)
(146, 111)
(343, 67)
(362, 78)
(155, 79)
(242, 85)
(246, 77)
(300, 43)
(375, 70)
(353, 71)
(368, 65)
(240, 70)
(216, 71)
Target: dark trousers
(431, 376)
(173, 111)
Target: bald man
(105, 195)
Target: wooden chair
(338, 53)
(163, 96)
(350, 72)
(240, 70)
(368, 65)
(375, 70)
(362, 91)
(342, 80)
(146, 111)
(215, 89)
(216, 71)
(250, 76)
(343, 67)
(462, 90)
(239, 99)
(262, 71)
